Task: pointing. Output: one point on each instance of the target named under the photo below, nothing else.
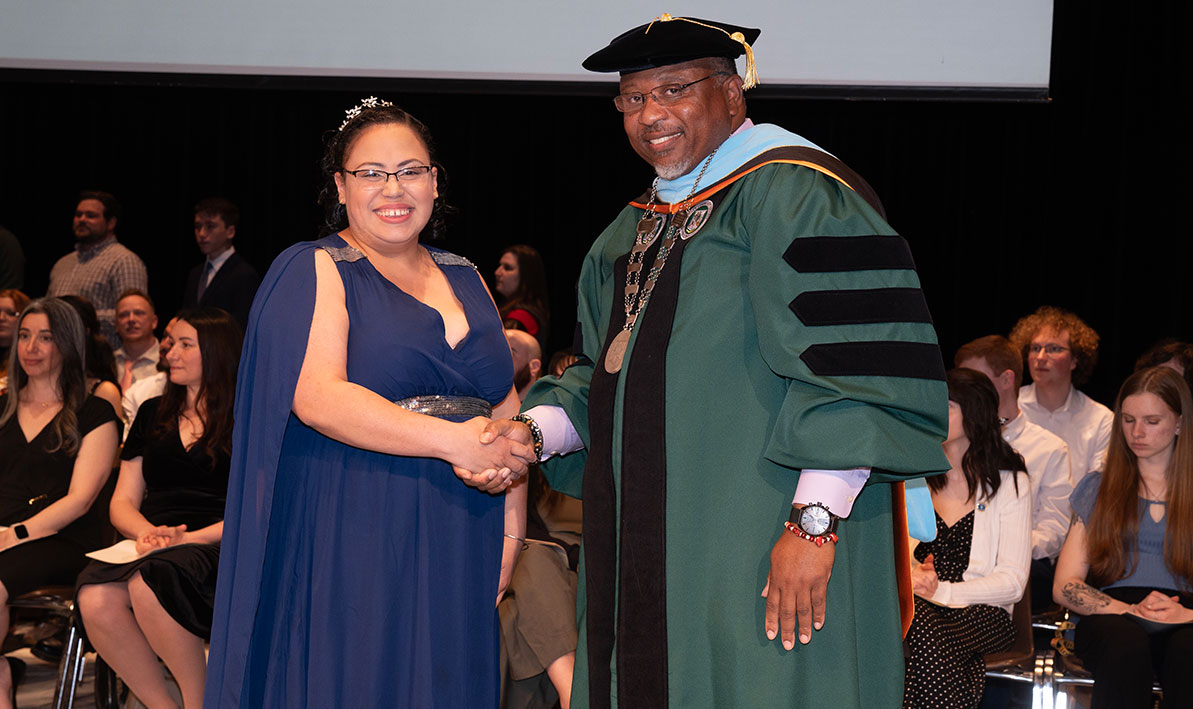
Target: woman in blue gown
(362, 561)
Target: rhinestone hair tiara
(370, 102)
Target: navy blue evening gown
(377, 573)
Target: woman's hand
(1161, 608)
(491, 466)
(924, 581)
(160, 537)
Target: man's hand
(797, 587)
(500, 432)
(513, 430)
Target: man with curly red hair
(1061, 352)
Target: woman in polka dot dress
(971, 575)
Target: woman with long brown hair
(1127, 564)
(521, 282)
(169, 499)
(57, 444)
(970, 576)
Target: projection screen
(874, 43)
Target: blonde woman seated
(1127, 564)
(170, 499)
(971, 575)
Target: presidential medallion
(616, 352)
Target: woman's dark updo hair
(988, 453)
(337, 148)
(100, 362)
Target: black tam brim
(669, 42)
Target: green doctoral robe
(787, 332)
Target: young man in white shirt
(1045, 453)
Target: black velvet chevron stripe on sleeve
(859, 307)
(818, 254)
(916, 360)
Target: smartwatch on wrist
(21, 531)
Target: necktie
(127, 380)
(207, 270)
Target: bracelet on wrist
(536, 433)
(819, 539)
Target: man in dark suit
(224, 280)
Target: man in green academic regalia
(750, 327)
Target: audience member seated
(1127, 565)
(149, 387)
(99, 364)
(521, 281)
(224, 279)
(12, 302)
(970, 577)
(528, 359)
(138, 353)
(538, 612)
(1169, 353)
(1061, 351)
(57, 444)
(1046, 456)
(170, 500)
(100, 268)
(560, 361)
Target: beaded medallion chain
(647, 231)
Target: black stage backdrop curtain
(1077, 202)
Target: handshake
(491, 455)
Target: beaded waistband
(440, 405)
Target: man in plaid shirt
(100, 269)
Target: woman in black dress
(169, 499)
(56, 450)
(971, 575)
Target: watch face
(814, 520)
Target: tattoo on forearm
(1084, 598)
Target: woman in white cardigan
(971, 575)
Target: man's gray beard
(670, 173)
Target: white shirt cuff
(559, 435)
(835, 489)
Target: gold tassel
(750, 80)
